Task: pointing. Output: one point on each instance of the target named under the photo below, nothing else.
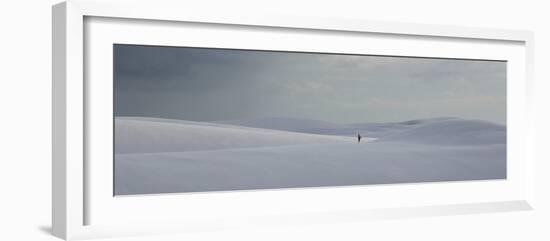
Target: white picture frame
(84, 207)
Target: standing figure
(358, 138)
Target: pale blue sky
(215, 84)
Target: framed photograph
(177, 120)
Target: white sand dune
(442, 149)
(142, 135)
(452, 132)
(305, 166)
(286, 124)
(375, 130)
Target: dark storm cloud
(214, 84)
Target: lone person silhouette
(358, 137)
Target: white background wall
(25, 133)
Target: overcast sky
(217, 84)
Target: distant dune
(451, 132)
(447, 128)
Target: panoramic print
(204, 119)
